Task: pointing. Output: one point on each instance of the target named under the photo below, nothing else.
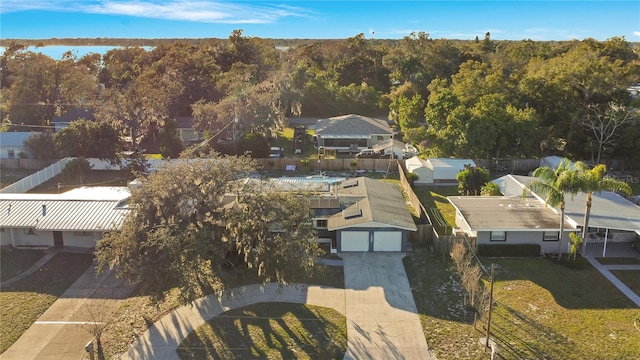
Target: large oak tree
(195, 220)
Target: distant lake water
(56, 52)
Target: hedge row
(516, 250)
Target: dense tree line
(480, 99)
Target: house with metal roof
(350, 133)
(76, 218)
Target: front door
(57, 238)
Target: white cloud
(184, 10)
(635, 33)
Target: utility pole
(235, 121)
(486, 341)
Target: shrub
(503, 250)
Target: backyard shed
(419, 166)
(437, 171)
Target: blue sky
(505, 20)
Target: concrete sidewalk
(604, 270)
(61, 331)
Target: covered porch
(612, 249)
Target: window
(11, 153)
(321, 223)
(550, 236)
(380, 137)
(498, 236)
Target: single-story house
(510, 220)
(12, 144)
(76, 218)
(613, 218)
(354, 214)
(62, 121)
(373, 217)
(186, 130)
(351, 133)
(436, 171)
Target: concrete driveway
(382, 318)
(61, 332)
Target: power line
(34, 126)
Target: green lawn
(269, 331)
(441, 212)
(23, 302)
(631, 278)
(543, 310)
(446, 322)
(15, 261)
(618, 261)
(549, 310)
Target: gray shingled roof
(381, 204)
(352, 126)
(73, 115)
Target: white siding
(74, 238)
(525, 237)
(18, 237)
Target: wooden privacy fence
(412, 197)
(444, 244)
(350, 164)
(30, 164)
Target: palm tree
(594, 181)
(554, 185)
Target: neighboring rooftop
(352, 127)
(608, 209)
(486, 213)
(73, 115)
(13, 139)
(83, 209)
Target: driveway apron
(382, 318)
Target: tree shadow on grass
(284, 330)
(573, 285)
(512, 330)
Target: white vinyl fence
(33, 180)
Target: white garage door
(355, 241)
(387, 241)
